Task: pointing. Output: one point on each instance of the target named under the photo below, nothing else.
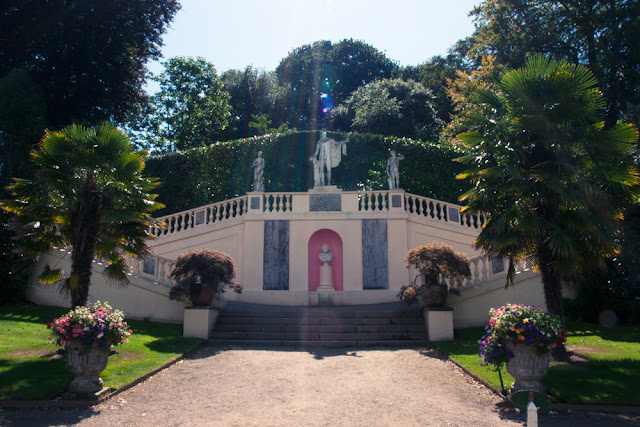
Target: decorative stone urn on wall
(527, 367)
(86, 364)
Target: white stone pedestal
(326, 282)
(198, 322)
(325, 298)
(439, 323)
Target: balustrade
(373, 201)
(214, 213)
(152, 267)
(278, 202)
(440, 211)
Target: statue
(328, 155)
(317, 171)
(326, 271)
(325, 256)
(258, 173)
(393, 174)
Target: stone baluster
(476, 272)
(485, 260)
(418, 206)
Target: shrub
(202, 269)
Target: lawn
(31, 368)
(606, 370)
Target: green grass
(32, 369)
(607, 372)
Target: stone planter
(527, 367)
(434, 296)
(86, 366)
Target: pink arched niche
(314, 248)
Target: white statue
(326, 271)
(328, 154)
(393, 174)
(258, 173)
(325, 255)
(317, 171)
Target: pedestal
(439, 323)
(326, 280)
(198, 322)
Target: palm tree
(553, 180)
(88, 194)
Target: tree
(88, 57)
(251, 93)
(190, 110)
(316, 78)
(389, 107)
(552, 179)
(89, 194)
(601, 34)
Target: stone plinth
(198, 322)
(326, 282)
(439, 323)
(325, 298)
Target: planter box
(199, 322)
(439, 323)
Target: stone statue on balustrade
(326, 271)
(327, 156)
(258, 173)
(393, 173)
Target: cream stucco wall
(242, 237)
(142, 298)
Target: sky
(233, 34)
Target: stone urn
(203, 297)
(86, 364)
(527, 367)
(434, 295)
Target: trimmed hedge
(223, 170)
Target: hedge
(223, 170)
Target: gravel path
(230, 386)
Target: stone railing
(278, 202)
(440, 211)
(152, 267)
(214, 213)
(373, 201)
(484, 268)
(285, 203)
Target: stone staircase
(338, 326)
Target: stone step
(224, 319)
(321, 343)
(323, 314)
(332, 328)
(319, 336)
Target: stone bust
(325, 255)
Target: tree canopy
(319, 76)
(389, 107)
(552, 178)
(190, 109)
(604, 35)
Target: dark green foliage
(190, 109)
(601, 34)
(222, 171)
(88, 57)
(389, 107)
(323, 68)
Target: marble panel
(276, 255)
(375, 265)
